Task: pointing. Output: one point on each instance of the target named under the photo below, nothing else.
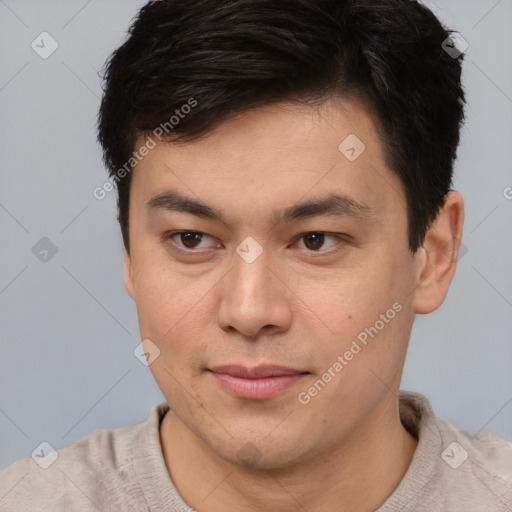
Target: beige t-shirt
(124, 470)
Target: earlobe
(437, 258)
(128, 278)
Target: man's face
(259, 280)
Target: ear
(128, 278)
(437, 257)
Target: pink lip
(256, 383)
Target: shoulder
(453, 469)
(475, 469)
(486, 455)
(87, 473)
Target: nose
(254, 299)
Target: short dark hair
(227, 56)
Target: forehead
(275, 156)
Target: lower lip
(257, 389)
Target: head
(283, 172)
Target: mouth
(257, 383)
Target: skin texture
(346, 448)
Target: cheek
(361, 310)
(349, 298)
(169, 306)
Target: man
(283, 170)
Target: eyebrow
(333, 204)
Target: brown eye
(320, 242)
(314, 241)
(190, 239)
(185, 240)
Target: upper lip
(257, 372)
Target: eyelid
(169, 236)
(340, 237)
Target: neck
(358, 475)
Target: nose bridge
(250, 281)
(252, 297)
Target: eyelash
(342, 240)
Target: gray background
(68, 326)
